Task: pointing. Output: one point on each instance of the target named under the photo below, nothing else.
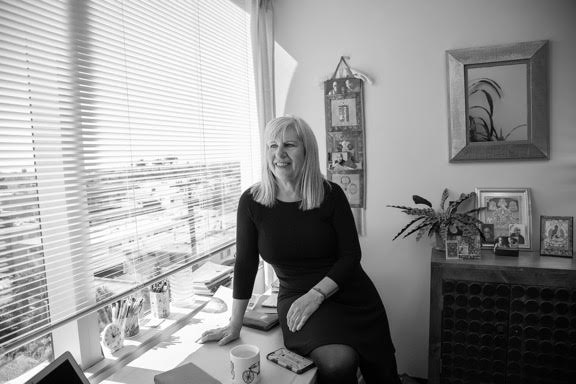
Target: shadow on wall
(285, 67)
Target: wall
(401, 44)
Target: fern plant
(437, 222)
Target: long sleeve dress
(304, 247)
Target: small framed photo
(469, 247)
(452, 250)
(488, 231)
(508, 212)
(556, 236)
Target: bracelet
(320, 292)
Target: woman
(303, 226)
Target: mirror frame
(535, 55)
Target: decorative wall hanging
(498, 99)
(344, 108)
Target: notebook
(64, 369)
(260, 320)
(187, 373)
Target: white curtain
(262, 31)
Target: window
(128, 131)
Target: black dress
(304, 247)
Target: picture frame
(469, 247)
(509, 210)
(352, 183)
(498, 102)
(556, 236)
(452, 250)
(344, 104)
(345, 151)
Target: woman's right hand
(223, 335)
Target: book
(210, 276)
(210, 272)
(260, 320)
(187, 373)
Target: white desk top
(181, 348)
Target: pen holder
(160, 304)
(131, 326)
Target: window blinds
(128, 131)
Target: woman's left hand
(301, 310)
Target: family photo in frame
(507, 216)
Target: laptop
(64, 369)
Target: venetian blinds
(128, 133)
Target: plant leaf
(490, 101)
(443, 198)
(484, 83)
(420, 200)
(414, 211)
(407, 226)
(475, 210)
(513, 129)
(463, 197)
(421, 226)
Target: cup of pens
(125, 313)
(160, 300)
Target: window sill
(152, 332)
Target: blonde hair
(311, 183)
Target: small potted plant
(441, 222)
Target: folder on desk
(187, 373)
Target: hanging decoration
(345, 138)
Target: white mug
(245, 364)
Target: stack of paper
(181, 289)
(210, 276)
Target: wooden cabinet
(502, 319)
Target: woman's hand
(223, 335)
(302, 308)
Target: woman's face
(285, 155)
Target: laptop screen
(64, 369)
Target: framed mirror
(498, 100)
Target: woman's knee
(336, 363)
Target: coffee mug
(245, 364)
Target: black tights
(338, 364)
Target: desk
(181, 348)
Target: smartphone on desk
(290, 360)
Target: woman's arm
(303, 307)
(245, 269)
(349, 251)
(231, 332)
